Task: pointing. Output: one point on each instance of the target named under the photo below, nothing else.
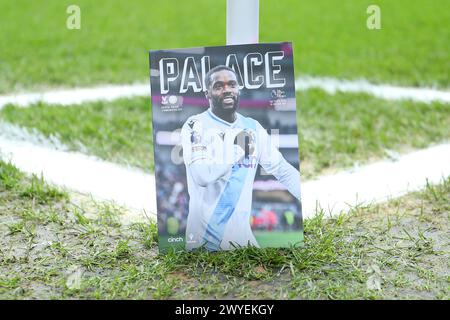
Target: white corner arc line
(377, 182)
(330, 85)
(86, 174)
(135, 189)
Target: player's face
(224, 90)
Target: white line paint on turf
(330, 85)
(32, 135)
(103, 180)
(133, 188)
(387, 92)
(377, 182)
(77, 95)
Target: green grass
(10, 177)
(330, 39)
(34, 188)
(396, 250)
(335, 130)
(39, 191)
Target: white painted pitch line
(377, 182)
(77, 95)
(383, 91)
(135, 189)
(330, 85)
(86, 174)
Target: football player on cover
(222, 150)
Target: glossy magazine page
(226, 147)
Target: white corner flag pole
(242, 21)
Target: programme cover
(226, 147)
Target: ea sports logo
(179, 239)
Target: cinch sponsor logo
(179, 239)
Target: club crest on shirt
(195, 137)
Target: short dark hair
(214, 70)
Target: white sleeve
(274, 163)
(197, 154)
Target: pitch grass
(330, 39)
(59, 249)
(336, 131)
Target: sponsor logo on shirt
(191, 239)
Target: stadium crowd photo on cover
(222, 148)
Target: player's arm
(274, 163)
(197, 153)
